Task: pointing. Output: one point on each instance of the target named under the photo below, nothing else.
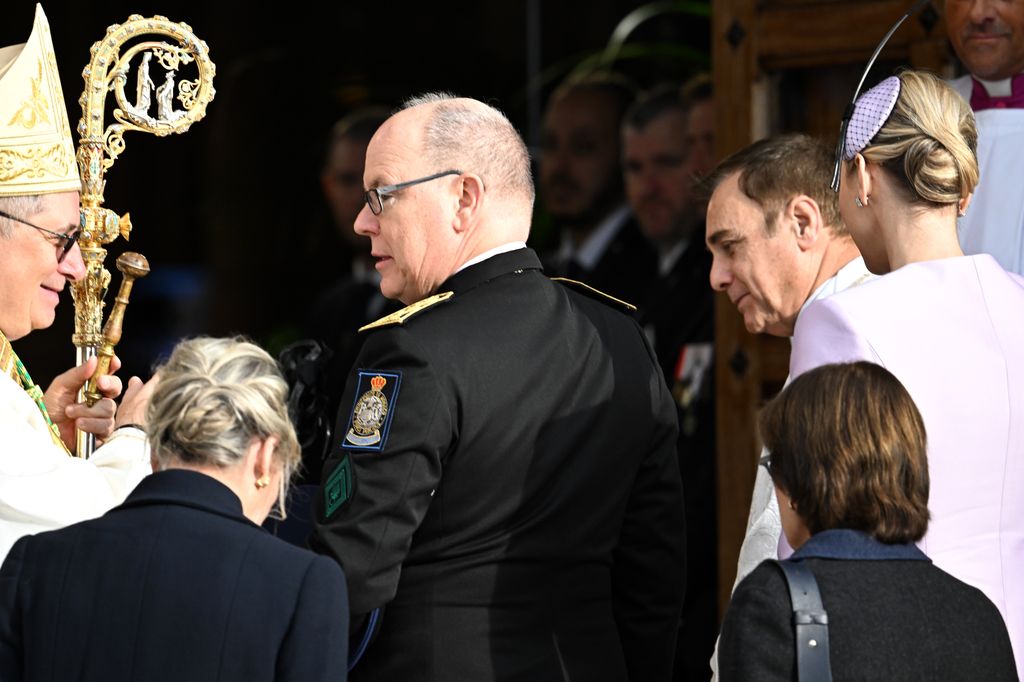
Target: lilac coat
(952, 331)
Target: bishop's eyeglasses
(64, 241)
(375, 197)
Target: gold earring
(262, 482)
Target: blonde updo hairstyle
(929, 143)
(213, 398)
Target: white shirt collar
(1000, 88)
(851, 274)
(504, 248)
(594, 246)
(668, 260)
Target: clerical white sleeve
(994, 223)
(41, 487)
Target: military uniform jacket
(505, 481)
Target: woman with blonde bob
(180, 582)
(849, 464)
(949, 326)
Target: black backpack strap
(810, 621)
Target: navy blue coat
(175, 584)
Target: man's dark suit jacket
(175, 584)
(519, 512)
(626, 268)
(888, 619)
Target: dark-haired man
(778, 243)
(668, 143)
(581, 187)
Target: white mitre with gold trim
(37, 155)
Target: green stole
(13, 367)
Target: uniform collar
(842, 543)
(187, 488)
(486, 270)
(503, 248)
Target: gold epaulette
(408, 311)
(587, 289)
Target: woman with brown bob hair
(849, 464)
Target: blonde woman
(949, 326)
(180, 582)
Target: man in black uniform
(581, 188)
(668, 142)
(504, 493)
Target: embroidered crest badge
(371, 415)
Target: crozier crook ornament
(161, 77)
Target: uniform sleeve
(757, 642)
(649, 564)
(42, 488)
(825, 334)
(316, 646)
(10, 616)
(384, 467)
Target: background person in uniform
(988, 36)
(179, 582)
(850, 468)
(505, 485)
(909, 168)
(41, 485)
(354, 298)
(581, 187)
(660, 168)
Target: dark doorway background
(226, 213)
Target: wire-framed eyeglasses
(375, 196)
(65, 242)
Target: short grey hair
(21, 206)
(478, 140)
(215, 395)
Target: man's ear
(804, 214)
(470, 200)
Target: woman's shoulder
(764, 589)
